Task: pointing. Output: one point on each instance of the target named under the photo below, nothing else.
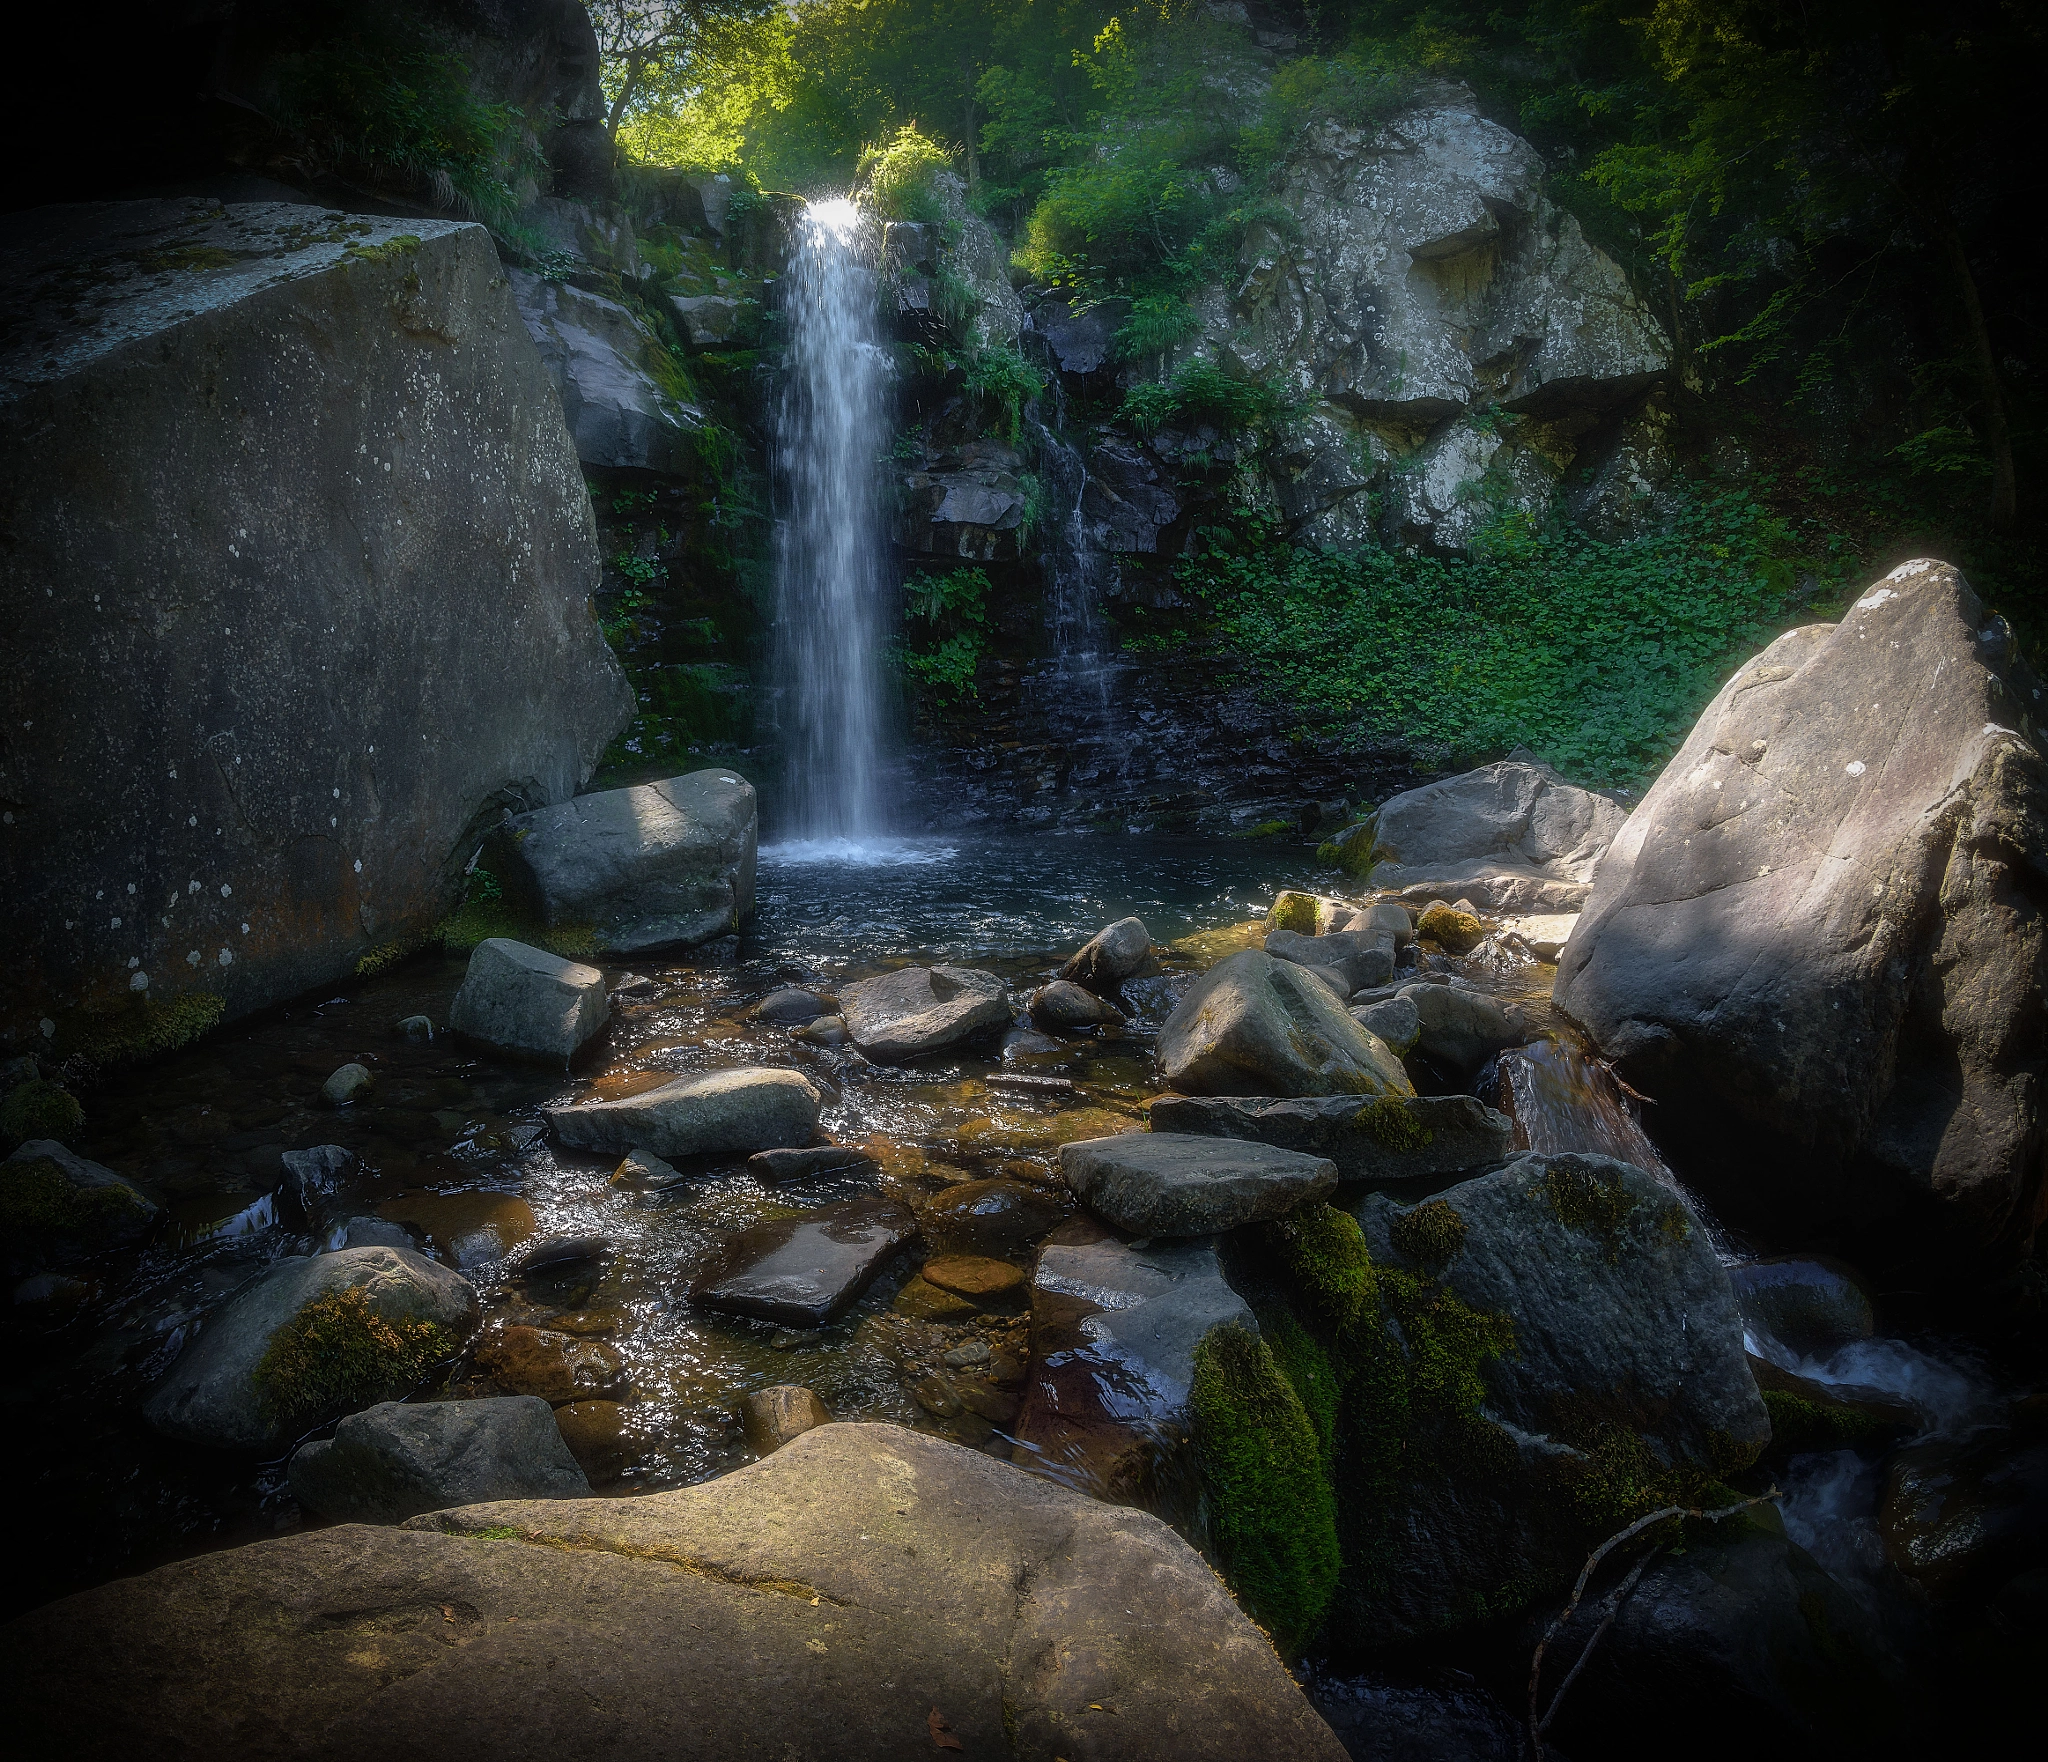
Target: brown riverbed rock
(556, 1367)
(840, 1592)
(595, 1432)
(975, 1275)
(772, 1417)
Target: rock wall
(298, 563)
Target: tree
(637, 38)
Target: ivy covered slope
(1459, 378)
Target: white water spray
(830, 434)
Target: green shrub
(1202, 394)
(1002, 382)
(946, 612)
(899, 172)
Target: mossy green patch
(1267, 829)
(147, 1029)
(338, 1354)
(399, 245)
(1293, 911)
(1799, 1425)
(386, 955)
(1595, 1200)
(1275, 1521)
(1355, 849)
(192, 258)
(43, 1212)
(1430, 1235)
(498, 1532)
(39, 1109)
(1393, 1125)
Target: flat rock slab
(1253, 1025)
(923, 1010)
(660, 865)
(1153, 1184)
(802, 1271)
(722, 1113)
(974, 1275)
(1396, 1138)
(833, 1594)
(395, 1460)
(528, 1002)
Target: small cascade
(1076, 574)
(830, 430)
(1562, 1100)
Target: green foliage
(1157, 325)
(1002, 382)
(39, 1109)
(147, 1028)
(1596, 655)
(1201, 394)
(1275, 1518)
(898, 174)
(338, 1354)
(485, 912)
(946, 612)
(1799, 1425)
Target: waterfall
(829, 436)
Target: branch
(1539, 1721)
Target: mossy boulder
(57, 1206)
(313, 1338)
(39, 1109)
(1453, 931)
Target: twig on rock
(1539, 1718)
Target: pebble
(771, 1417)
(348, 1084)
(973, 1352)
(824, 1031)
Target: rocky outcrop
(393, 1461)
(1428, 281)
(660, 865)
(601, 358)
(1510, 837)
(312, 1337)
(338, 555)
(1159, 1184)
(1253, 1025)
(1393, 1139)
(528, 1002)
(968, 501)
(870, 1573)
(720, 1113)
(1819, 941)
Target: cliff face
(297, 568)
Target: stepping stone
(791, 1007)
(718, 1114)
(1153, 1184)
(1063, 1004)
(924, 1010)
(1395, 1138)
(646, 1173)
(527, 1002)
(802, 1271)
(974, 1275)
(819, 1159)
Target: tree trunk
(973, 156)
(1997, 435)
(636, 65)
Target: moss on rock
(338, 1354)
(1592, 1200)
(1431, 1234)
(1799, 1425)
(1293, 911)
(39, 1109)
(1454, 931)
(42, 1211)
(1275, 1515)
(1394, 1125)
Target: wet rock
(595, 1432)
(1400, 1721)
(1083, 341)
(1615, 1337)
(904, 1551)
(921, 1300)
(824, 1031)
(659, 865)
(1808, 1413)
(771, 1417)
(1807, 1303)
(1111, 956)
(820, 1159)
(1396, 1138)
(718, 1114)
(1255, 1025)
(710, 321)
(471, 1229)
(975, 1276)
(528, 1002)
(393, 1461)
(1394, 1020)
(1161, 1184)
(1460, 1029)
(1740, 1633)
(1511, 837)
(1814, 942)
(992, 1218)
(558, 1253)
(345, 1352)
(1961, 1516)
(55, 1205)
(418, 1029)
(556, 1367)
(1063, 1006)
(368, 1232)
(792, 1008)
(921, 1011)
(350, 1083)
(804, 1270)
(1113, 1335)
(600, 356)
(973, 505)
(645, 1172)
(1364, 957)
(349, 535)
(1309, 914)
(317, 1174)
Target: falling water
(830, 434)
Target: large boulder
(919, 1011)
(310, 1338)
(1253, 1025)
(603, 361)
(56, 1205)
(1511, 837)
(1819, 940)
(528, 1002)
(1363, 958)
(1392, 1139)
(1156, 1184)
(393, 1461)
(659, 865)
(856, 1594)
(338, 549)
(1460, 1029)
(722, 1113)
